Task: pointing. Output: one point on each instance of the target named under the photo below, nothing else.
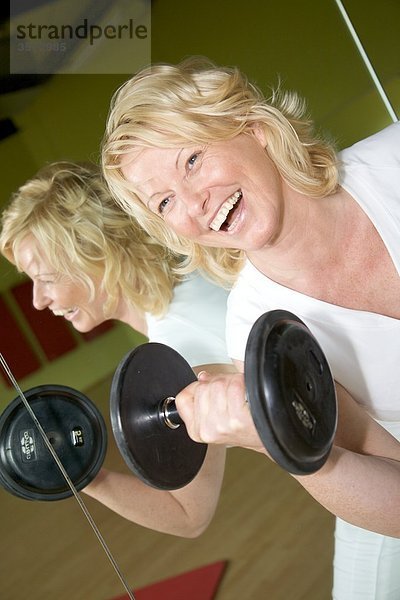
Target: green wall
(305, 45)
(63, 119)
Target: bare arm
(360, 481)
(185, 512)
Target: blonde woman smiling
(90, 262)
(244, 189)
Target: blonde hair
(85, 235)
(197, 102)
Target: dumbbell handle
(169, 413)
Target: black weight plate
(163, 458)
(76, 430)
(291, 392)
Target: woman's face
(226, 194)
(60, 294)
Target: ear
(257, 130)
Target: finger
(204, 376)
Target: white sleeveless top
(363, 349)
(195, 322)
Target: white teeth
(62, 313)
(224, 211)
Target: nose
(195, 201)
(40, 299)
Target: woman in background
(90, 262)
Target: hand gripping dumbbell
(289, 388)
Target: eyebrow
(44, 274)
(178, 157)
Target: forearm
(363, 490)
(185, 512)
(355, 483)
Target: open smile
(65, 312)
(225, 218)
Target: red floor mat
(199, 584)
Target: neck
(311, 237)
(132, 316)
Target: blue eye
(163, 205)
(192, 159)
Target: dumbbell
(289, 388)
(74, 427)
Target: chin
(258, 241)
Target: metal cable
(367, 62)
(66, 477)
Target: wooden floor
(277, 540)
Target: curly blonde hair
(85, 235)
(193, 102)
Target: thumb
(203, 376)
